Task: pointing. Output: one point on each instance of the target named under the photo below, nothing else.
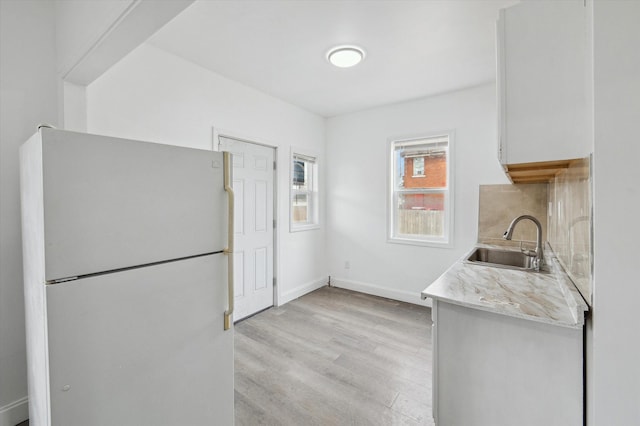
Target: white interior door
(253, 255)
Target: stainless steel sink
(501, 259)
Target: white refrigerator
(126, 248)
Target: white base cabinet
(496, 370)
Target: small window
(304, 192)
(421, 208)
(418, 166)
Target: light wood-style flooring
(334, 357)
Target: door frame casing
(215, 143)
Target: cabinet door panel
(542, 79)
(496, 370)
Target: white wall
(74, 107)
(28, 96)
(155, 96)
(357, 157)
(615, 341)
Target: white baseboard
(375, 290)
(303, 289)
(15, 412)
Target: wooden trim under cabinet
(540, 172)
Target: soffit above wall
(94, 35)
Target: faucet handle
(527, 252)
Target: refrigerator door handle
(228, 314)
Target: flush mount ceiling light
(345, 56)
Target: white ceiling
(414, 48)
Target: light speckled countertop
(548, 297)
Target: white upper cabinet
(542, 82)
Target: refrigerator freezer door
(142, 347)
(114, 203)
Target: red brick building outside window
(434, 175)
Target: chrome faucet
(537, 253)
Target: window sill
(300, 228)
(424, 243)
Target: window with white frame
(420, 195)
(304, 192)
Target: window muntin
(304, 192)
(420, 193)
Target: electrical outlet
(347, 264)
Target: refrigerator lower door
(144, 346)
